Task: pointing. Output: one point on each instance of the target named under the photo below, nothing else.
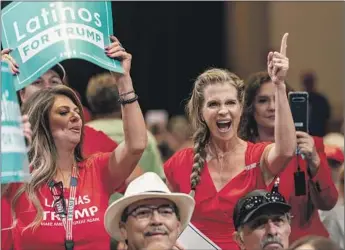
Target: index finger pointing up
(283, 44)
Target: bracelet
(127, 93)
(124, 102)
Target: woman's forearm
(135, 133)
(284, 133)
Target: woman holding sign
(53, 77)
(257, 125)
(221, 167)
(63, 206)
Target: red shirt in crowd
(96, 142)
(328, 195)
(214, 210)
(93, 191)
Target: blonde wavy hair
(194, 110)
(43, 153)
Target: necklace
(222, 160)
(210, 154)
(219, 156)
(66, 178)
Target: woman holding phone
(306, 182)
(221, 167)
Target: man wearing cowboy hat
(262, 221)
(149, 216)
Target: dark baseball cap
(60, 70)
(256, 203)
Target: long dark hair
(248, 126)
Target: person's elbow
(333, 200)
(138, 146)
(288, 152)
(327, 206)
(325, 199)
(327, 203)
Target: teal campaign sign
(42, 34)
(14, 161)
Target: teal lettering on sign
(45, 33)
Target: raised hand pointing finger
(278, 63)
(284, 44)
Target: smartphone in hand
(299, 105)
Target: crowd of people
(237, 169)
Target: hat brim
(112, 218)
(274, 207)
(60, 70)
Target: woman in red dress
(221, 167)
(257, 125)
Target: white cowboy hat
(146, 186)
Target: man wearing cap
(149, 216)
(262, 221)
(54, 76)
(335, 158)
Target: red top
(334, 153)
(214, 210)
(87, 114)
(328, 195)
(93, 190)
(96, 142)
